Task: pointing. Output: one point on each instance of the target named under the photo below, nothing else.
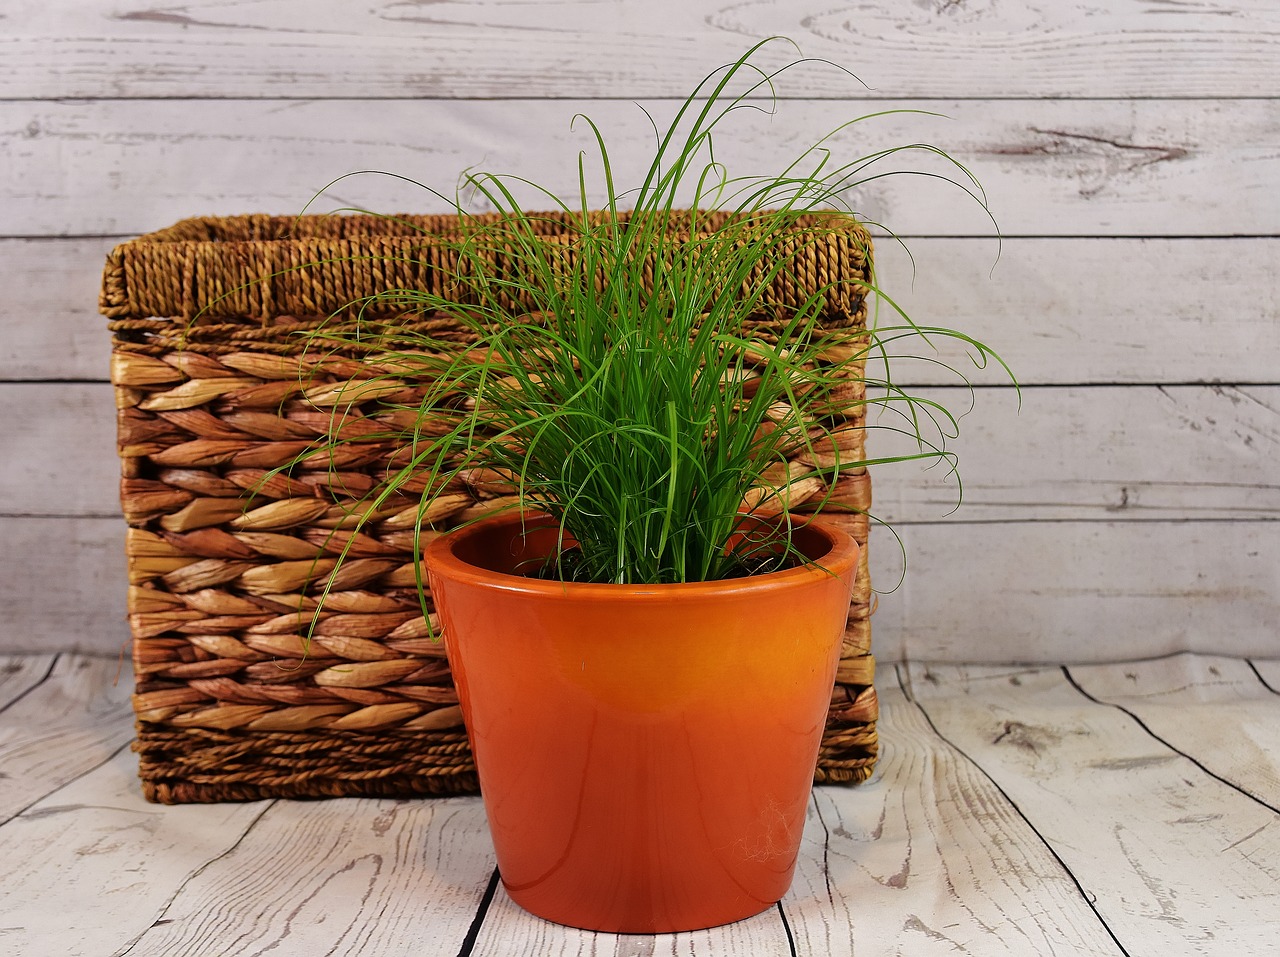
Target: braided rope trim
(203, 766)
(266, 267)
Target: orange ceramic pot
(645, 753)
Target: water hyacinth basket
(246, 685)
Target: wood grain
(49, 322)
(508, 930)
(1178, 862)
(1169, 310)
(1130, 151)
(1024, 591)
(18, 675)
(1269, 672)
(1236, 736)
(338, 877)
(93, 866)
(1045, 458)
(69, 723)
(1099, 311)
(1165, 453)
(1011, 814)
(1077, 591)
(1051, 168)
(561, 48)
(930, 858)
(63, 585)
(60, 443)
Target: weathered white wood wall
(1130, 151)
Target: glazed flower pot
(645, 753)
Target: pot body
(645, 753)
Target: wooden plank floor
(1126, 809)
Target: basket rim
(263, 266)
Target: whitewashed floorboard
(1269, 671)
(49, 322)
(19, 674)
(1031, 821)
(566, 48)
(1077, 591)
(1063, 453)
(61, 437)
(929, 858)
(508, 931)
(68, 724)
(1168, 310)
(339, 877)
(1178, 862)
(1050, 167)
(92, 866)
(1234, 733)
(971, 592)
(1065, 468)
(63, 585)
(1171, 310)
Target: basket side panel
(280, 645)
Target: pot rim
(440, 555)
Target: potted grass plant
(644, 641)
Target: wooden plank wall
(1130, 151)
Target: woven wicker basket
(215, 388)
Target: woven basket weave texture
(246, 686)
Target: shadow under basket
(247, 685)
